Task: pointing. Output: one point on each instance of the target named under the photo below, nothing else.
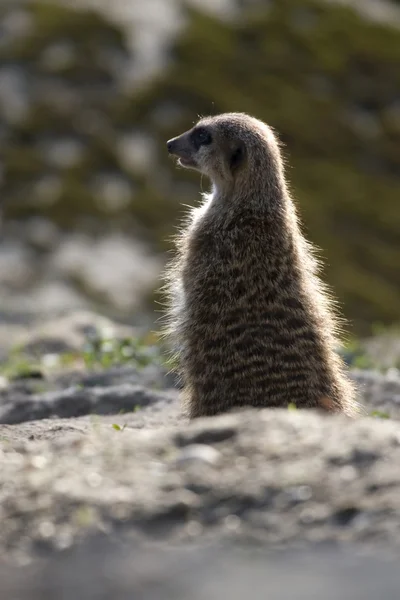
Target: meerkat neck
(256, 196)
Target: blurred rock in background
(91, 90)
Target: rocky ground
(98, 463)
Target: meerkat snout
(181, 147)
(189, 147)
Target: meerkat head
(224, 146)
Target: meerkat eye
(201, 137)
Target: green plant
(118, 427)
(106, 352)
(379, 414)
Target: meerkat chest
(222, 262)
(208, 247)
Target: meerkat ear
(237, 156)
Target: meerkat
(253, 322)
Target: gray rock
(15, 266)
(14, 97)
(70, 332)
(116, 268)
(102, 570)
(198, 453)
(75, 402)
(63, 153)
(378, 391)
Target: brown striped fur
(252, 321)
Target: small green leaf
(379, 414)
(116, 427)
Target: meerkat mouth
(186, 162)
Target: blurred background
(90, 90)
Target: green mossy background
(327, 79)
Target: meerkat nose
(170, 144)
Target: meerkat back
(251, 319)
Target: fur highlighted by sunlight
(250, 320)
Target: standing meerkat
(250, 317)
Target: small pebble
(199, 453)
